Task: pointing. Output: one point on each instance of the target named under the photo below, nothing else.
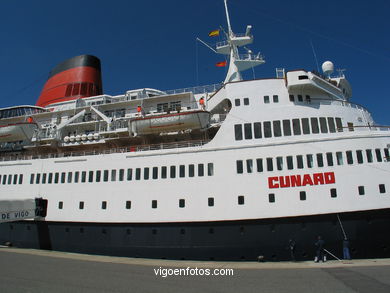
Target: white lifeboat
(17, 131)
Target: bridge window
(113, 175)
(15, 181)
(238, 131)
(314, 125)
(332, 125)
(305, 126)
(277, 128)
(248, 130)
(323, 125)
(10, 179)
(267, 129)
(257, 129)
(296, 126)
(286, 128)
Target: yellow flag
(214, 33)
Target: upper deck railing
(196, 90)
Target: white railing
(196, 90)
(250, 57)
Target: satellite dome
(327, 68)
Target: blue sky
(152, 43)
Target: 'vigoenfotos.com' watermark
(168, 272)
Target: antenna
(315, 55)
(228, 19)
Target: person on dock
(346, 254)
(320, 249)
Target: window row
(308, 161)
(237, 102)
(129, 174)
(280, 128)
(300, 98)
(11, 179)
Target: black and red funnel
(75, 78)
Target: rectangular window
(277, 128)
(173, 171)
(296, 126)
(50, 179)
(37, 178)
(239, 167)
(292, 99)
(359, 155)
(339, 156)
(286, 128)
(70, 176)
(76, 176)
(241, 200)
(314, 125)
(332, 125)
(305, 126)
(83, 176)
(275, 98)
(81, 205)
(121, 174)
(211, 201)
(349, 157)
(98, 175)
(105, 175)
(238, 131)
(387, 155)
(163, 172)
(113, 175)
(257, 129)
(270, 165)
(249, 166)
(182, 203)
(182, 171)
(200, 170)
(246, 101)
(361, 190)
(300, 98)
(310, 161)
(155, 173)
(329, 159)
(339, 125)
(279, 163)
(32, 178)
(266, 99)
(302, 195)
(60, 205)
(129, 174)
(210, 169)
(369, 156)
(377, 154)
(300, 162)
(259, 163)
(21, 178)
(104, 205)
(382, 188)
(320, 160)
(267, 129)
(56, 177)
(5, 179)
(308, 99)
(15, 181)
(333, 192)
(237, 102)
(350, 126)
(90, 176)
(138, 174)
(271, 197)
(128, 204)
(154, 204)
(191, 170)
(10, 179)
(146, 173)
(63, 177)
(323, 125)
(248, 130)
(290, 164)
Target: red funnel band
(75, 78)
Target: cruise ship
(231, 171)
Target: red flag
(221, 64)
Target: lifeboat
(170, 122)
(17, 131)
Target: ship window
(138, 174)
(310, 161)
(339, 125)
(320, 160)
(90, 176)
(279, 163)
(248, 130)
(104, 205)
(329, 159)
(164, 172)
(300, 98)
(60, 205)
(50, 179)
(63, 176)
(361, 190)
(339, 156)
(70, 174)
(300, 162)
(302, 195)
(314, 125)
(296, 126)
(81, 205)
(241, 200)
(240, 167)
(290, 164)
(146, 173)
(128, 204)
(271, 197)
(83, 176)
(350, 126)
(191, 170)
(249, 166)
(10, 178)
(21, 178)
(305, 126)
(37, 178)
(175, 106)
(155, 172)
(349, 157)
(173, 171)
(270, 165)
(286, 128)
(76, 89)
(121, 174)
(98, 175)
(300, 77)
(32, 177)
(369, 156)
(359, 155)
(5, 179)
(237, 102)
(266, 99)
(211, 201)
(129, 174)
(182, 203)
(267, 129)
(332, 125)
(308, 99)
(275, 98)
(378, 155)
(182, 171)
(292, 99)
(259, 163)
(163, 107)
(210, 169)
(113, 175)
(257, 129)
(382, 188)
(387, 155)
(238, 131)
(56, 177)
(246, 101)
(323, 125)
(105, 175)
(15, 181)
(333, 192)
(277, 128)
(68, 92)
(154, 204)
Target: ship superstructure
(226, 171)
